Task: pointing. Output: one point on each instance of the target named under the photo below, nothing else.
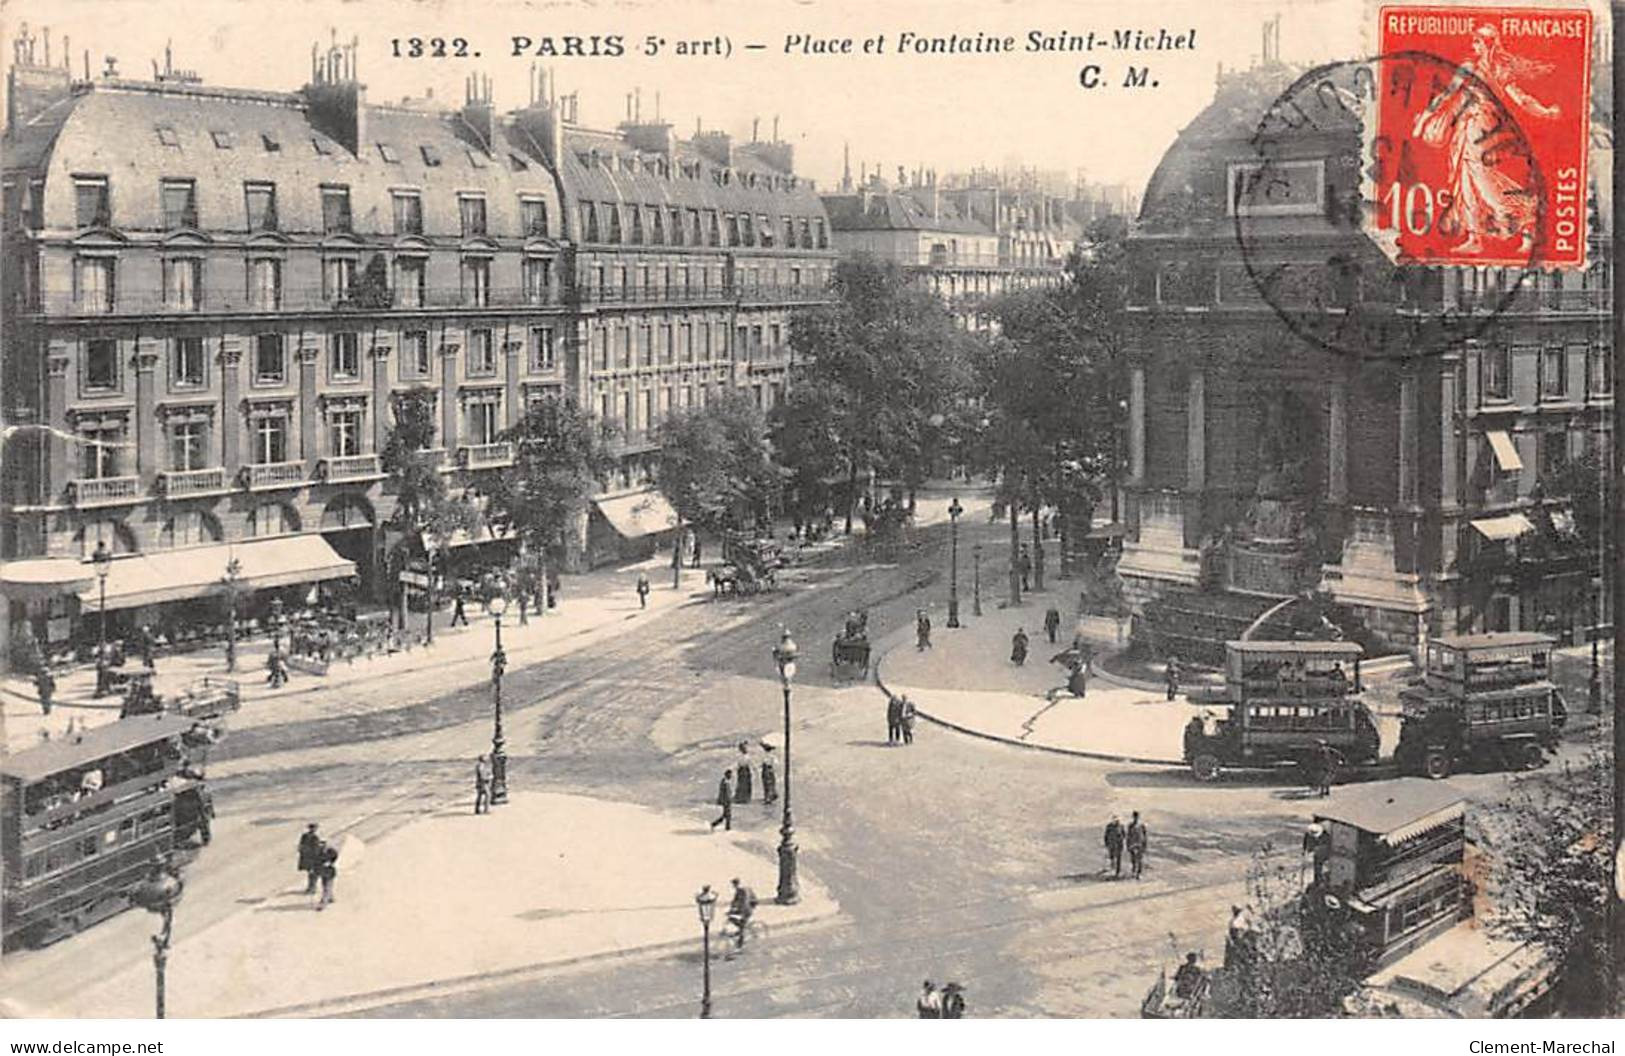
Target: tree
(1305, 954)
(715, 466)
(1550, 871)
(426, 513)
(561, 453)
(805, 432)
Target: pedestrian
(908, 721)
(1018, 647)
(1327, 760)
(1170, 676)
(725, 800)
(894, 719)
(643, 590)
(742, 782)
(45, 685)
(1024, 565)
(929, 1003)
(146, 642)
(1114, 846)
(770, 779)
(1136, 840)
(482, 787)
(1052, 623)
(922, 630)
(696, 550)
(310, 856)
(328, 870)
(277, 666)
(953, 1001)
(1077, 680)
(457, 613)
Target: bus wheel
(1436, 764)
(1205, 767)
(1531, 757)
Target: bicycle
(754, 931)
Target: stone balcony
(265, 476)
(486, 456)
(180, 483)
(335, 468)
(104, 491)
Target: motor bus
(83, 818)
(1286, 700)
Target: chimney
(754, 122)
(31, 88)
(478, 113)
(543, 121)
(336, 104)
(715, 147)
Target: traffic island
(456, 901)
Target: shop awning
(1506, 452)
(150, 579)
(43, 578)
(1509, 527)
(635, 516)
(1424, 824)
(482, 534)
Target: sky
(948, 112)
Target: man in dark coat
(743, 779)
(1170, 675)
(482, 787)
(1136, 840)
(643, 590)
(725, 800)
(1114, 845)
(1024, 566)
(457, 613)
(1052, 623)
(1018, 647)
(922, 630)
(310, 856)
(894, 718)
(146, 642)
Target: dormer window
(92, 201)
(168, 137)
(336, 210)
(387, 152)
(180, 204)
(222, 139)
(431, 156)
(271, 144)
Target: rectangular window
(589, 222)
(623, 347)
(676, 227)
(344, 433)
(542, 356)
(477, 282)
(102, 448)
(167, 136)
(410, 276)
(664, 338)
(705, 342)
(742, 343)
(482, 422)
(755, 342)
(415, 353)
(180, 203)
(600, 350)
(270, 442)
(1554, 452)
(789, 232)
(344, 356)
(613, 213)
(260, 199)
(795, 277)
(647, 412)
(265, 284)
(471, 208)
(645, 345)
(806, 233)
(685, 343)
(1497, 367)
(823, 235)
(606, 408)
(482, 357)
(92, 202)
(774, 337)
(1554, 373)
(408, 209)
(101, 364)
(93, 284)
(188, 445)
(338, 279)
(270, 364)
(533, 216)
(336, 210)
(538, 279)
(1600, 368)
(636, 236)
(183, 283)
(186, 361)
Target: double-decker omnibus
(1487, 701)
(82, 820)
(1287, 701)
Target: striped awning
(1498, 528)
(1426, 823)
(196, 572)
(1506, 452)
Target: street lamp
(102, 558)
(499, 663)
(428, 589)
(276, 626)
(158, 893)
(706, 901)
(954, 510)
(976, 594)
(784, 655)
(233, 575)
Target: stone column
(310, 449)
(380, 397)
(1196, 432)
(448, 399)
(1337, 441)
(514, 411)
(59, 466)
(1407, 437)
(1136, 425)
(231, 414)
(1448, 455)
(147, 426)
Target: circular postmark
(1367, 180)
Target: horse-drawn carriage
(749, 566)
(850, 654)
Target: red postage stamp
(1481, 135)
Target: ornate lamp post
(428, 615)
(976, 580)
(277, 619)
(784, 655)
(233, 576)
(499, 663)
(102, 558)
(706, 902)
(158, 894)
(954, 510)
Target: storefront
(629, 527)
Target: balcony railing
(316, 299)
(349, 467)
(104, 491)
(178, 483)
(262, 476)
(486, 456)
(674, 294)
(438, 458)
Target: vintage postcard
(813, 510)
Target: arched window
(346, 511)
(110, 530)
(273, 518)
(189, 528)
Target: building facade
(1417, 490)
